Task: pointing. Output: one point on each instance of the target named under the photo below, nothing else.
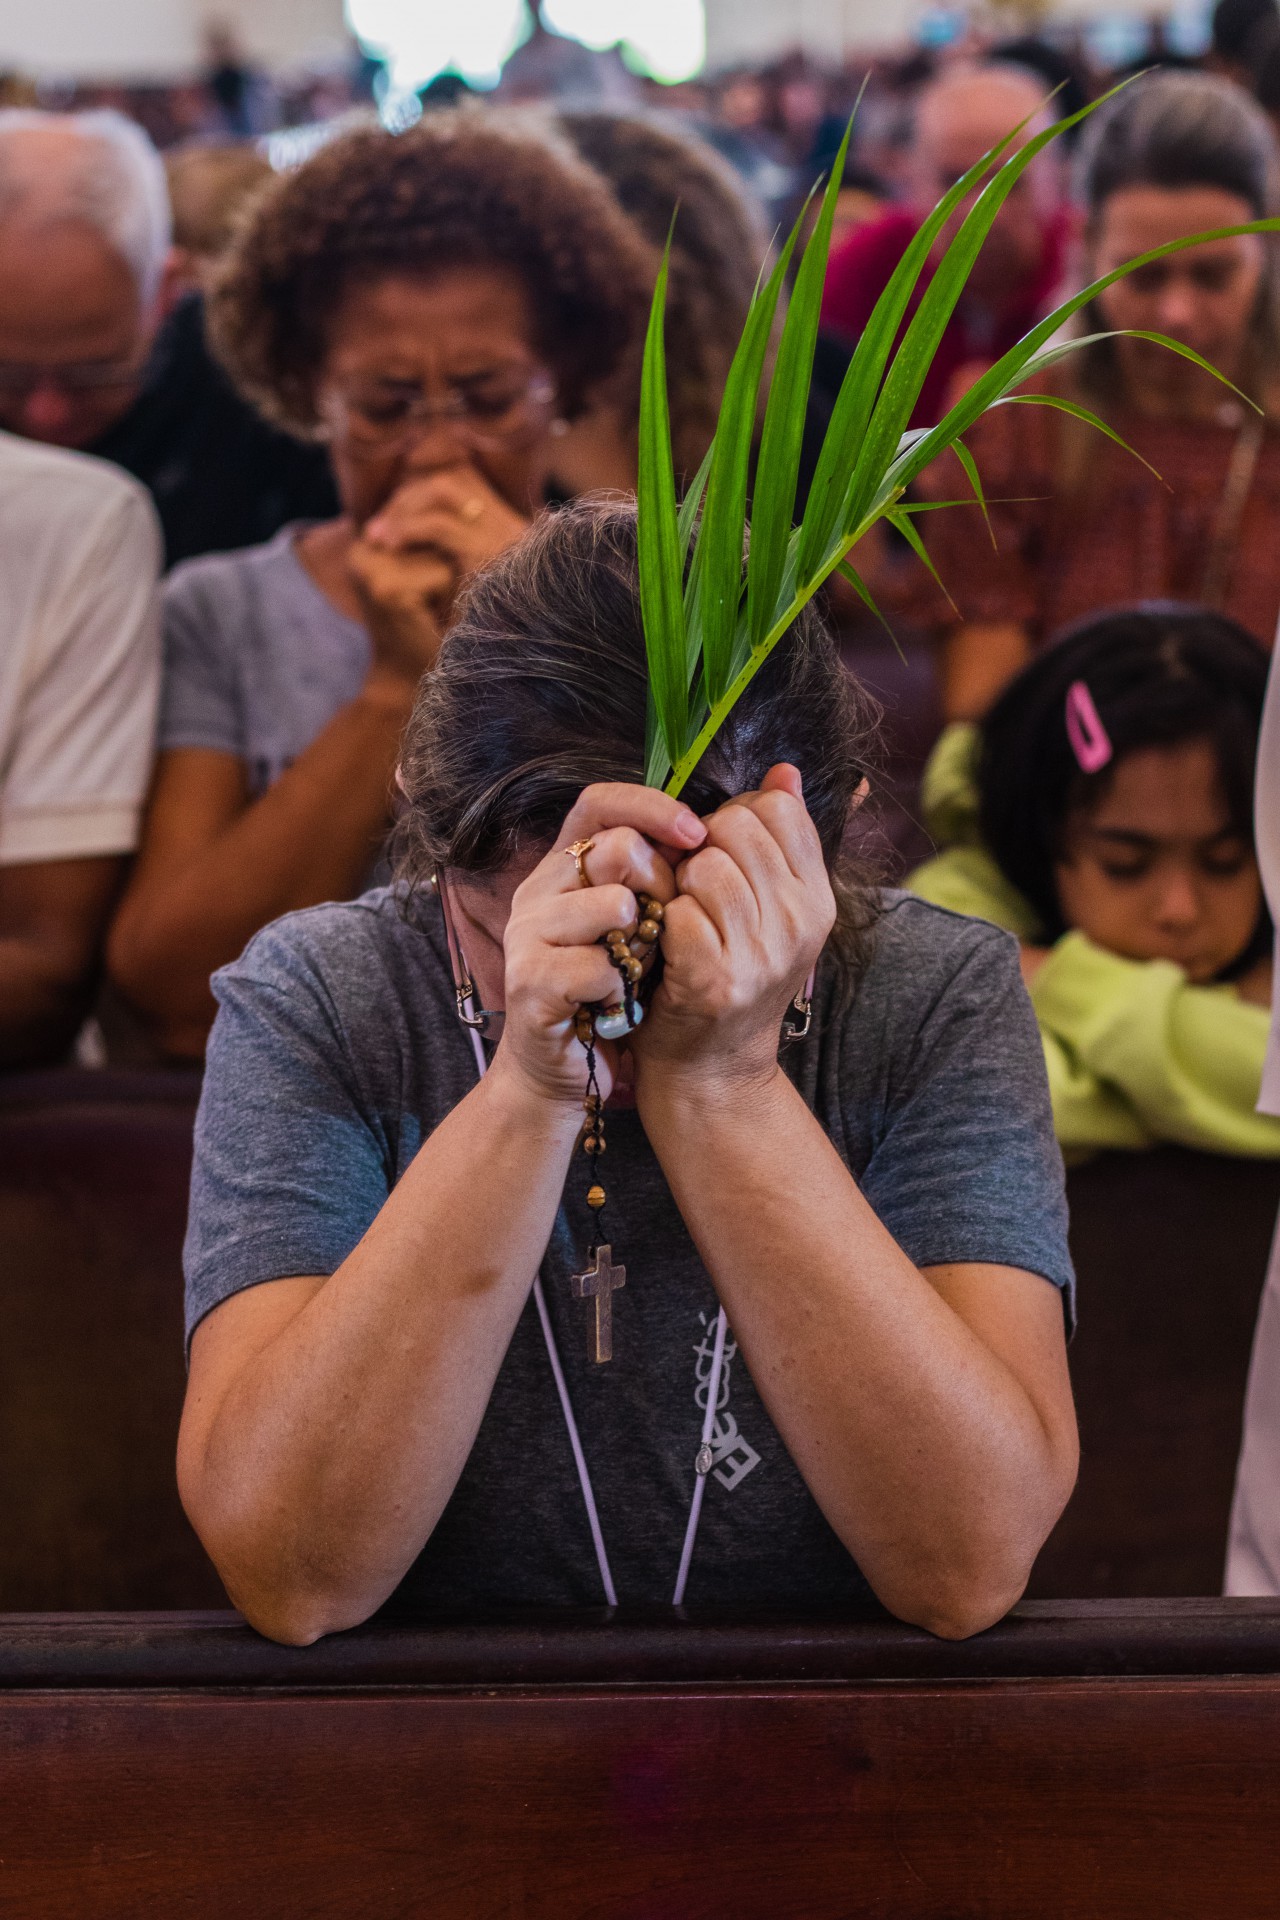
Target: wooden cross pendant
(599, 1283)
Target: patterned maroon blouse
(1094, 528)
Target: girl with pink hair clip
(1103, 814)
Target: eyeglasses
(18, 379)
(495, 412)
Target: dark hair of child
(1158, 676)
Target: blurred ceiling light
(665, 38)
(419, 41)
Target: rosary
(628, 952)
(602, 1278)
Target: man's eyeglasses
(492, 413)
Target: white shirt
(79, 654)
(1266, 828)
(1253, 1547)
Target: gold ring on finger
(578, 853)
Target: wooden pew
(1171, 1251)
(93, 1204)
(1078, 1762)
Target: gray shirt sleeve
(290, 1168)
(201, 702)
(967, 1168)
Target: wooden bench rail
(1040, 1640)
(1089, 1761)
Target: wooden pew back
(93, 1183)
(1082, 1763)
(1171, 1250)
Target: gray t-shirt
(336, 1052)
(257, 660)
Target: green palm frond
(710, 623)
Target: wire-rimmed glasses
(501, 410)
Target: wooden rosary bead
(648, 931)
(594, 1143)
(631, 969)
(653, 909)
(595, 1198)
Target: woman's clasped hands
(748, 908)
(408, 562)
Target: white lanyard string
(704, 1459)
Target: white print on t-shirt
(734, 1457)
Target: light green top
(1135, 1053)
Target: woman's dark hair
(1179, 130)
(462, 188)
(1173, 129)
(1158, 676)
(540, 690)
(718, 244)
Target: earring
(464, 992)
(803, 1005)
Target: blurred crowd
(323, 383)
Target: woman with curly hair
(435, 307)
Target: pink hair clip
(1090, 741)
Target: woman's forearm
(315, 1466)
(922, 1448)
(311, 837)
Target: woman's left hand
(752, 914)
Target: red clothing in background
(1081, 525)
(860, 269)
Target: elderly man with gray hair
(95, 355)
(960, 116)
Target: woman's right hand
(553, 962)
(400, 593)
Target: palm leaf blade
(906, 376)
(730, 619)
(778, 469)
(722, 530)
(1033, 352)
(861, 382)
(659, 554)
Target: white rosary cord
(703, 1464)
(704, 1458)
(579, 1457)
(562, 1388)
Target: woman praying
(436, 307)
(378, 1412)
(1078, 524)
